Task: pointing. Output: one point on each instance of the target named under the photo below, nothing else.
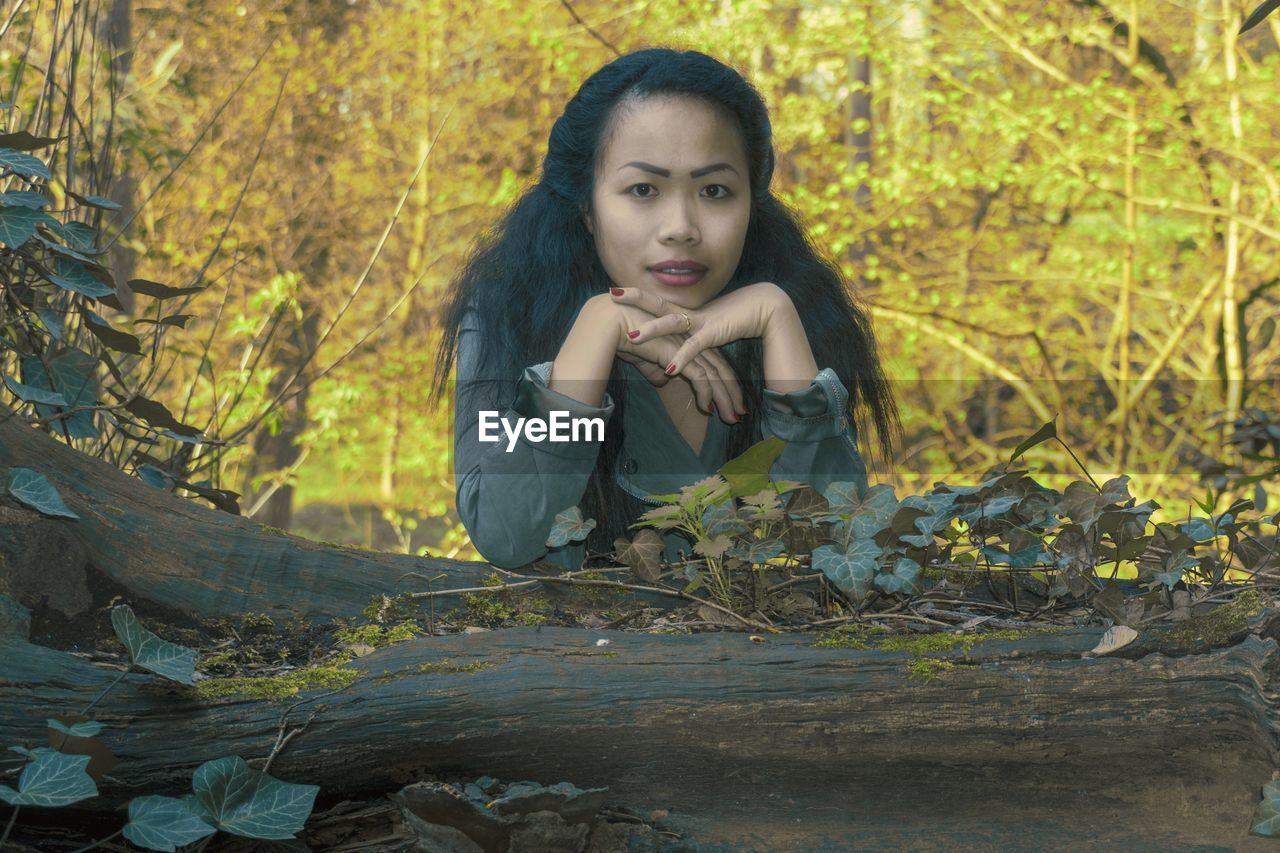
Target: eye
(724, 191)
(634, 186)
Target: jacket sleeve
(822, 445)
(508, 500)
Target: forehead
(672, 132)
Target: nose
(681, 225)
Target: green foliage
(51, 780)
(149, 651)
(34, 490)
(569, 527)
(228, 794)
(248, 802)
(1266, 819)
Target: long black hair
(529, 276)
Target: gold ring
(688, 324)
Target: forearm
(581, 368)
(789, 365)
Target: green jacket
(509, 500)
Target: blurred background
(1060, 210)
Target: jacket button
(631, 466)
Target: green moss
(219, 659)
(927, 669)
(257, 623)
(277, 687)
(387, 608)
(1219, 625)
(922, 644)
(445, 666)
(378, 636)
(274, 531)
(486, 608)
(853, 636)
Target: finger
(650, 371)
(704, 394)
(685, 353)
(719, 390)
(667, 324)
(651, 302)
(725, 369)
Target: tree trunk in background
(279, 451)
(1207, 11)
(909, 122)
(118, 32)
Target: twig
(9, 827)
(282, 739)
(993, 621)
(589, 29)
(97, 843)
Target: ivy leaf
(18, 224)
(24, 164)
(52, 322)
(158, 415)
(172, 661)
(87, 728)
(758, 551)
(157, 477)
(160, 291)
(903, 578)
(52, 779)
(1266, 819)
(24, 198)
(1199, 529)
(95, 201)
(807, 502)
(110, 335)
(851, 571)
(73, 379)
(75, 276)
(29, 394)
(749, 473)
(842, 498)
(723, 518)
(569, 527)
(178, 320)
(24, 141)
(164, 823)
(643, 554)
(33, 489)
(1045, 433)
(250, 803)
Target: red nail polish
(745, 410)
(616, 291)
(634, 334)
(671, 368)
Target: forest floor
(261, 656)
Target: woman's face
(671, 191)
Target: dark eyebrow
(696, 173)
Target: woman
(649, 280)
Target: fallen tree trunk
(739, 738)
(723, 726)
(176, 553)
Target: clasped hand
(662, 344)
